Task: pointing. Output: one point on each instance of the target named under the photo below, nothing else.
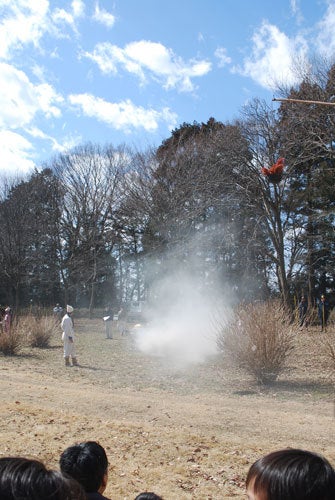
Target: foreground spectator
(291, 474)
(26, 479)
(88, 464)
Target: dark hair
(293, 474)
(147, 495)
(85, 462)
(26, 479)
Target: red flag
(274, 173)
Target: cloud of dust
(183, 319)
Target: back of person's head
(148, 495)
(26, 479)
(87, 463)
(291, 474)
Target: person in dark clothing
(302, 306)
(323, 312)
(148, 495)
(291, 474)
(28, 479)
(87, 463)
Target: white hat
(69, 309)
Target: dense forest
(101, 224)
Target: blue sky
(130, 71)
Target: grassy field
(185, 434)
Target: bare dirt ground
(185, 435)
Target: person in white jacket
(68, 338)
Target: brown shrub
(11, 343)
(259, 339)
(38, 330)
(329, 348)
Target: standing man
(58, 312)
(68, 337)
(108, 320)
(7, 321)
(323, 312)
(302, 306)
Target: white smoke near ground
(183, 320)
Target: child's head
(291, 474)
(146, 495)
(29, 479)
(87, 463)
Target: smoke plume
(181, 325)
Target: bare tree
(28, 214)
(197, 211)
(272, 203)
(90, 177)
(308, 139)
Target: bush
(39, 331)
(259, 339)
(11, 343)
(330, 351)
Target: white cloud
(48, 100)
(149, 59)
(23, 22)
(123, 115)
(63, 17)
(294, 6)
(78, 8)
(103, 17)
(272, 57)
(15, 153)
(107, 57)
(325, 40)
(201, 37)
(20, 100)
(67, 143)
(221, 54)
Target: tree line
(102, 224)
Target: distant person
(7, 321)
(108, 320)
(323, 312)
(2, 316)
(291, 474)
(148, 495)
(302, 307)
(26, 479)
(87, 463)
(68, 337)
(122, 321)
(58, 312)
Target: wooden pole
(303, 101)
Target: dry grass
(28, 330)
(185, 434)
(11, 343)
(259, 339)
(38, 330)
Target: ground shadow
(93, 368)
(49, 347)
(303, 386)
(245, 393)
(21, 356)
